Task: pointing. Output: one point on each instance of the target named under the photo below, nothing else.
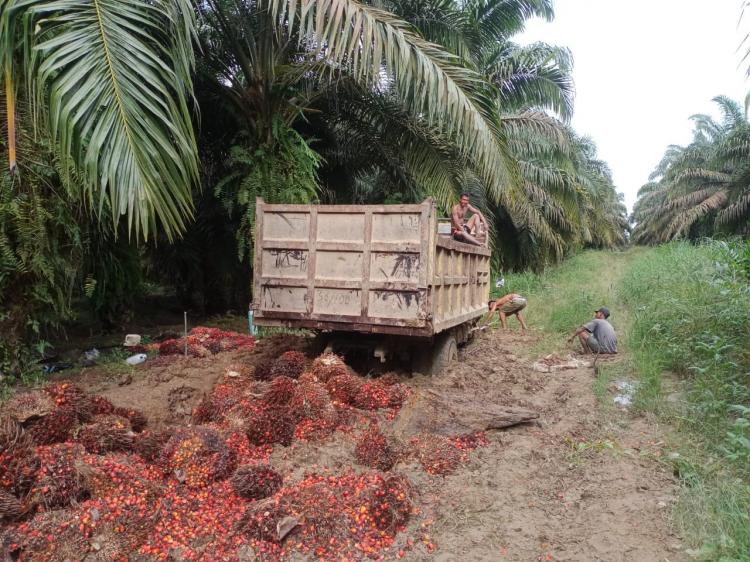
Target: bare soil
(166, 389)
(582, 482)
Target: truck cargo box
(365, 268)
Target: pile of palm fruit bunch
(103, 485)
(292, 398)
(373, 449)
(100, 484)
(203, 342)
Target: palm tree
(112, 80)
(561, 186)
(701, 189)
(299, 75)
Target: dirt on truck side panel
(369, 268)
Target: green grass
(713, 510)
(690, 316)
(564, 297)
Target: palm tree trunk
(10, 108)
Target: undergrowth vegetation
(690, 315)
(564, 297)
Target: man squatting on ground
(510, 305)
(463, 230)
(597, 336)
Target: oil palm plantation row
(702, 189)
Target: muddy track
(582, 483)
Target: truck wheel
(432, 361)
(445, 352)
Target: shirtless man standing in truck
(463, 230)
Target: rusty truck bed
(365, 268)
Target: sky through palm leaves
(642, 68)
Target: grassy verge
(690, 317)
(565, 297)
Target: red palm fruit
(18, 460)
(10, 507)
(343, 388)
(149, 444)
(372, 449)
(269, 425)
(290, 364)
(105, 434)
(101, 405)
(391, 503)
(28, 406)
(262, 371)
(255, 482)
(327, 366)
(307, 377)
(280, 392)
(310, 401)
(66, 394)
(55, 427)
(389, 379)
(58, 481)
(197, 456)
(260, 522)
(137, 420)
(397, 394)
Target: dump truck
(389, 278)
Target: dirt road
(584, 483)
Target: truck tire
(433, 360)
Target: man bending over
(597, 336)
(463, 230)
(510, 305)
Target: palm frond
(731, 111)
(111, 79)
(703, 175)
(536, 75)
(682, 222)
(690, 199)
(368, 42)
(500, 19)
(736, 213)
(536, 124)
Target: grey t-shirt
(604, 334)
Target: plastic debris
(136, 359)
(50, 368)
(132, 340)
(89, 357)
(625, 396)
